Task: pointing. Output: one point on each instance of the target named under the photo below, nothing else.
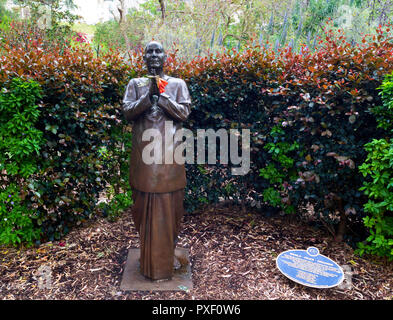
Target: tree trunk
(162, 6)
(122, 24)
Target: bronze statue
(158, 188)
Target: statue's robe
(158, 188)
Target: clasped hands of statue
(154, 88)
(154, 92)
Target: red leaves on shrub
(80, 110)
(255, 88)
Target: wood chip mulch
(232, 257)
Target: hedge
(85, 146)
(310, 114)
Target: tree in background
(200, 26)
(196, 27)
(5, 15)
(126, 29)
(121, 18)
(59, 11)
(55, 17)
(107, 35)
(3, 9)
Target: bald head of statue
(154, 57)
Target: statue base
(133, 280)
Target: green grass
(85, 28)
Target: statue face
(154, 56)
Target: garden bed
(232, 256)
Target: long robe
(158, 188)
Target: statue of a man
(158, 187)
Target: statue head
(154, 57)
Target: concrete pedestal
(133, 280)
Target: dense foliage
(378, 186)
(309, 116)
(20, 143)
(83, 152)
(309, 113)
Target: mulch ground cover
(232, 257)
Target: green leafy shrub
(280, 169)
(16, 219)
(116, 206)
(19, 139)
(384, 112)
(119, 193)
(378, 186)
(80, 114)
(20, 143)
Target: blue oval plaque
(310, 268)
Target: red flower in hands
(161, 85)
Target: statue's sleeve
(133, 107)
(180, 109)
